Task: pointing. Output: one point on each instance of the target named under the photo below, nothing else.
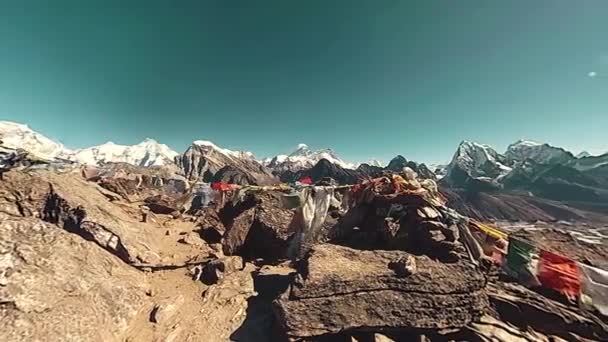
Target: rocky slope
(84, 208)
(77, 262)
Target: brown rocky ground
(56, 283)
(78, 264)
(517, 206)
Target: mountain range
(474, 167)
(529, 181)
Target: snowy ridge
(224, 151)
(372, 162)
(14, 135)
(591, 162)
(304, 158)
(147, 153)
(539, 153)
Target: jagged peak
(525, 142)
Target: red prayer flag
(219, 186)
(306, 180)
(559, 273)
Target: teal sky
(366, 78)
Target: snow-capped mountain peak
(474, 160)
(302, 150)
(147, 153)
(303, 157)
(374, 162)
(475, 154)
(15, 135)
(225, 151)
(539, 153)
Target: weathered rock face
(211, 227)
(160, 204)
(269, 234)
(236, 232)
(123, 187)
(342, 289)
(260, 228)
(56, 286)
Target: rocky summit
(137, 243)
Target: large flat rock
(333, 269)
(342, 289)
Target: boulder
(269, 234)
(342, 289)
(215, 270)
(161, 204)
(259, 230)
(236, 232)
(211, 227)
(121, 186)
